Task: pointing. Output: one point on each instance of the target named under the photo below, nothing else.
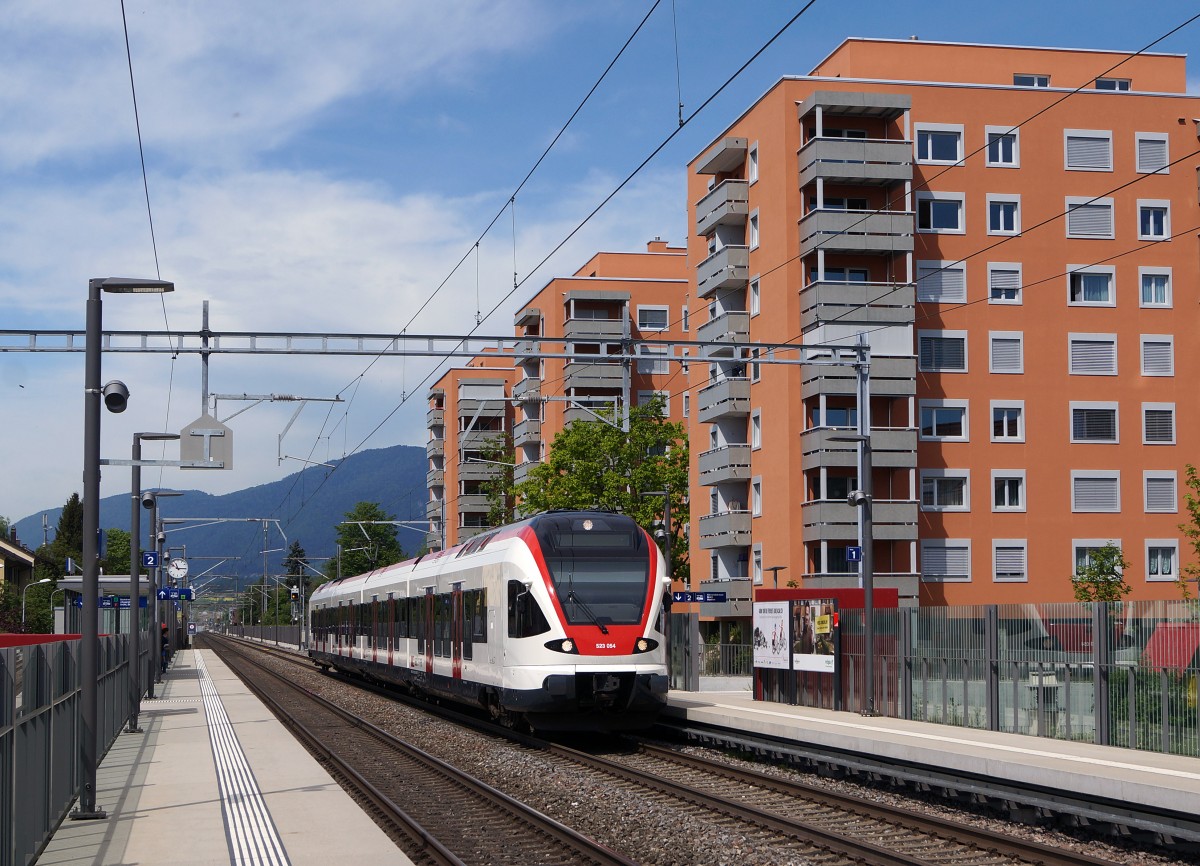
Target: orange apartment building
(614, 296)
(1023, 261)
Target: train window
(479, 621)
(466, 617)
(525, 617)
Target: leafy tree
(367, 540)
(116, 558)
(1101, 578)
(1190, 573)
(593, 464)
(501, 456)
(70, 525)
(296, 567)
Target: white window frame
(1119, 85)
(999, 474)
(1039, 79)
(1149, 475)
(752, 164)
(1162, 204)
(756, 564)
(753, 230)
(756, 508)
(756, 429)
(1113, 407)
(959, 197)
(964, 405)
(1019, 336)
(1074, 202)
(686, 409)
(1148, 271)
(1097, 134)
(1160, 407)
(658, 308)
(988, 132)
(1021, 543)
(942, 269)
(1073, 338)
(685, 319)
(942, 544)
(1004, 198)
(1170, 543)
(1106, 474)
(1138, 138)
(936, 474)
(755, 365)
(1007, 404)
(1005, 266)
(1169, 339)
(944, 335)
(755, 297)
(653, 361)
(1091, 544)
(919, 128)
(1109, 271)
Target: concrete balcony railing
(467, 532)
(478, 439)
(726, 155)
(594, 330)
(853, 231)
(890, 377)
(435, 478)
(433, 509)
(725, 529)
(724, 399)
(476, 470)
(834, 520)
(601, 373)
(727, 202)
(435, 448)
(727, 463)
(473, 503)
(528, 389)
(495, 408)
(521, 470)
(891, 448)
(727, 268)
(867, 303)
(527, 432)
(575, 413)
(433, 539)
(855, 161)
(732, 326)
(435, 418)
(739, 595)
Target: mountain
(308, 504)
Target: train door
(373, 637)
(456, 631)
(430, 630)
(391, 627)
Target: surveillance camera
(116, 396)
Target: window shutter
(1096, 494)
(1151, 155)
(1006, 355)
(1093, 356)
(1159, 425)
(951, 562)
(1004, 281)
(1157, 358)
(1090, 220)
(936, 285)
(1094, 425)
(1160, 494)
(943, 353)
(1089, 152)
(1010, 563)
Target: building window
(941, 282)
(757, 566)
(1162, 555)
(939, 143)
(1158, 423)
(945, 490)
(1084, 548)
(756, 429)
(1007, 352)
(1152, 153)
(1158, 355)
(1091, 286)
(1004, 283)
(1112, 84)
(685, 318)
(944, 420)
(1004, 214)
(1089, 218)
(687, 404)
(940, 212)
(1092, 354)
(838, 275)
(1008, 421)
(1095, 490)
(1088, 150)
(653, 318)
(655, 360)
(943, 351)
(754, 297)
(756, 497)
(1009, 560)
(1094, 422)
(752, 240)
(1003, 147)
(946, 561)
(1160, 496)
(1156, 287)
(1026, 79)
(755, 365)
(752, 163)
(1154, 220)
(1008, 490)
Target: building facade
(1022, 261)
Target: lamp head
(148, 500)
(116, 396)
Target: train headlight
(644, 645)
(562, 645)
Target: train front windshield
(600, 566)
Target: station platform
(1063, 769)
(215, 778)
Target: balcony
(724, 156)
(834, 520)
(866, 303)
(435, 418)
(603, 372)
(882, 106)
(473, 503)
(433, 509)
(521, 470)
(490, 408)
(476, 470)
(890, 377)
(477, 440)
(907, 584)
(527, 432)
(433, 539)
(726, 203)
(727, 463)
(859, 161)
(725, 529)
(891, 448)
(739, 597)
(575, 413)
(526, 317)
(594, 330)
(727, 268)
(731, 327)
(528, 390)
(856, 231)
(468, 532)
(435, 448)
(435, 478)
(724, 399)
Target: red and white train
(557, 620)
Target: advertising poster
(813, 622)
(771, 634)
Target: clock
(177, 568)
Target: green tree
(116, 555)
(296, 567)
(70, 525)
(501, 457)
(367, 540)
(593, 464)
(1190, 573)
(1101, 577)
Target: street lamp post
(115, 395)
(25, 590)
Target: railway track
(803, 823)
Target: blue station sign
(702, 597)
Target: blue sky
(325, 172)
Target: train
(556, 622)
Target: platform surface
(215, 778)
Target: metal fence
(276, 634)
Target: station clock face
(177, 568)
